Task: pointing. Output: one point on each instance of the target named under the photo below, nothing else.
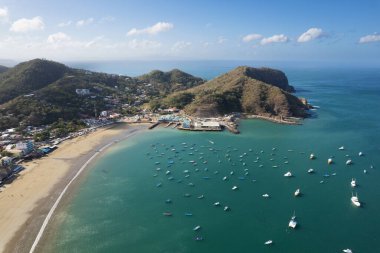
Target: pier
(153, 125)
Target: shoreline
(31, 197)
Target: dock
(153, 125)
(169, 124)
(232, 129)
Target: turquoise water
(119, 207)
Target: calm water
(119, 207)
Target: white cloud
(64, 24)
(84, 22)
(107, 19)
(4, 14)
(143, 44)
(370, 38)
(278, 38)
(152, 30)
(26, 25)
(179, 45)
(250, 37)
(221, 40)
(58, 37)
(311, 34)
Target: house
(82, 92)
(25, 147)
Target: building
(25, 147)
(207, 125)
(82, 92)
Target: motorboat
(329, 161)
(310, 170)
(288, 174)
(201, 197)
(225, 178)
(361, 154)
(266, 195)
(234, 188)
(353, 182)
(196, 228)
(341, 148)
(349, 162)
(293, 222)
(297, 193)
(312, 156)
(268, 242)
(347, 250)
(167, 214)
(226, 208)
(217, 204)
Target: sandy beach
(25, 202)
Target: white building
(82, 92)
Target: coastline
(26, 202)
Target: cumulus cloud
(179, 45)
(84, 22)
(4, 14)
(251, 37)
(278, 38)
(64, 24)
(152, 30)
(26, 25)
(311, 34)
(370, 38)
(58, 37)
(143, 44)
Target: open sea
(120, 204)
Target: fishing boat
(353, 182)
(355, 200)
(196, 228)
(288, 174)
(347, 250)
(234, 188)
(329, 161)
(293, 222)
(310, 171)
(349, 162)
(297, 193)
(312, 156)
(268, 242)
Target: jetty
(153, 125)
(232, 128)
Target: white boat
(361, 154)
(310, 171)
(167, 172)
(225, 178)
(365, 171)
(217, 204)
(312, 156)
(297, 192)
(268, 242)
(266, 195)
(355, 200)
(293, 222)
(329, 161)
(226, 208)
(349, 162)
(196, 228)
(234, 187)
(341, 148)
(288, 174)
(347, 250)
(353, 182)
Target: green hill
(171, 81)
(3, 69)
(239, 91)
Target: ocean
(119, 206)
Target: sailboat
(293, 222)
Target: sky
(100, 30)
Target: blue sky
(335, 31)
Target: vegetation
(238, 91)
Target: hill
(3, 69)
(171, 81)
(244, 89)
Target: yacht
(349, 162)
(310, 171)
(297, 193)
(293, 222)
(234, 187)
(268, 242)
(355, 200)
(196, 228)
(288, 174)
(312, 156)
(329, 161)
(353, 182)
